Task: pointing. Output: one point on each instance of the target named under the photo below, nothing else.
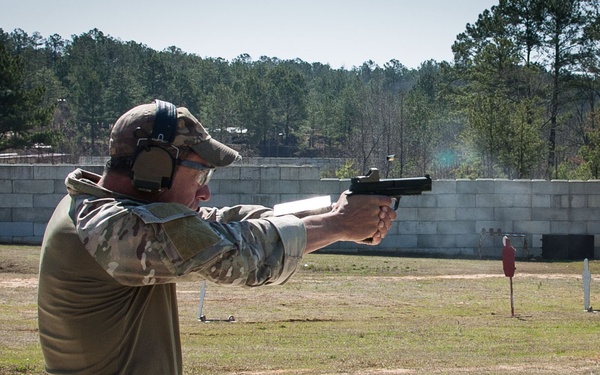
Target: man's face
(189, 183)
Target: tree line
(518, 101)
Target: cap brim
(216, 153)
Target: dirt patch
(19, 259)
(554, 276)
(25, 282)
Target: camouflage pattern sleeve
(235, 213)
(155, 243)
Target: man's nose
(203, 194)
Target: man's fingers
(385, 201)
(379, 200)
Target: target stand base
(204, 319)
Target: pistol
(392, 187)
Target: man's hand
(357, 218)
(386, 216)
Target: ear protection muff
(153, 165)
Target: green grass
(344, 314)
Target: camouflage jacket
(140, 243)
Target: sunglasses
(204, 173)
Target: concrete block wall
(28, 195)
(459, 218)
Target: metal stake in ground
(201, 302)
(587, 280)
(203, 318)
(508, 264)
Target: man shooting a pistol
(117, 244)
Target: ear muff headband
(165, 122)
(154, 166)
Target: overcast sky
(342, 33)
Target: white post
(587, 279)
(202, 292)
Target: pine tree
(22, 116)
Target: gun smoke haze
(447, 159)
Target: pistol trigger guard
(367, 241)
(395, 203)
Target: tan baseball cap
(138, 123)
